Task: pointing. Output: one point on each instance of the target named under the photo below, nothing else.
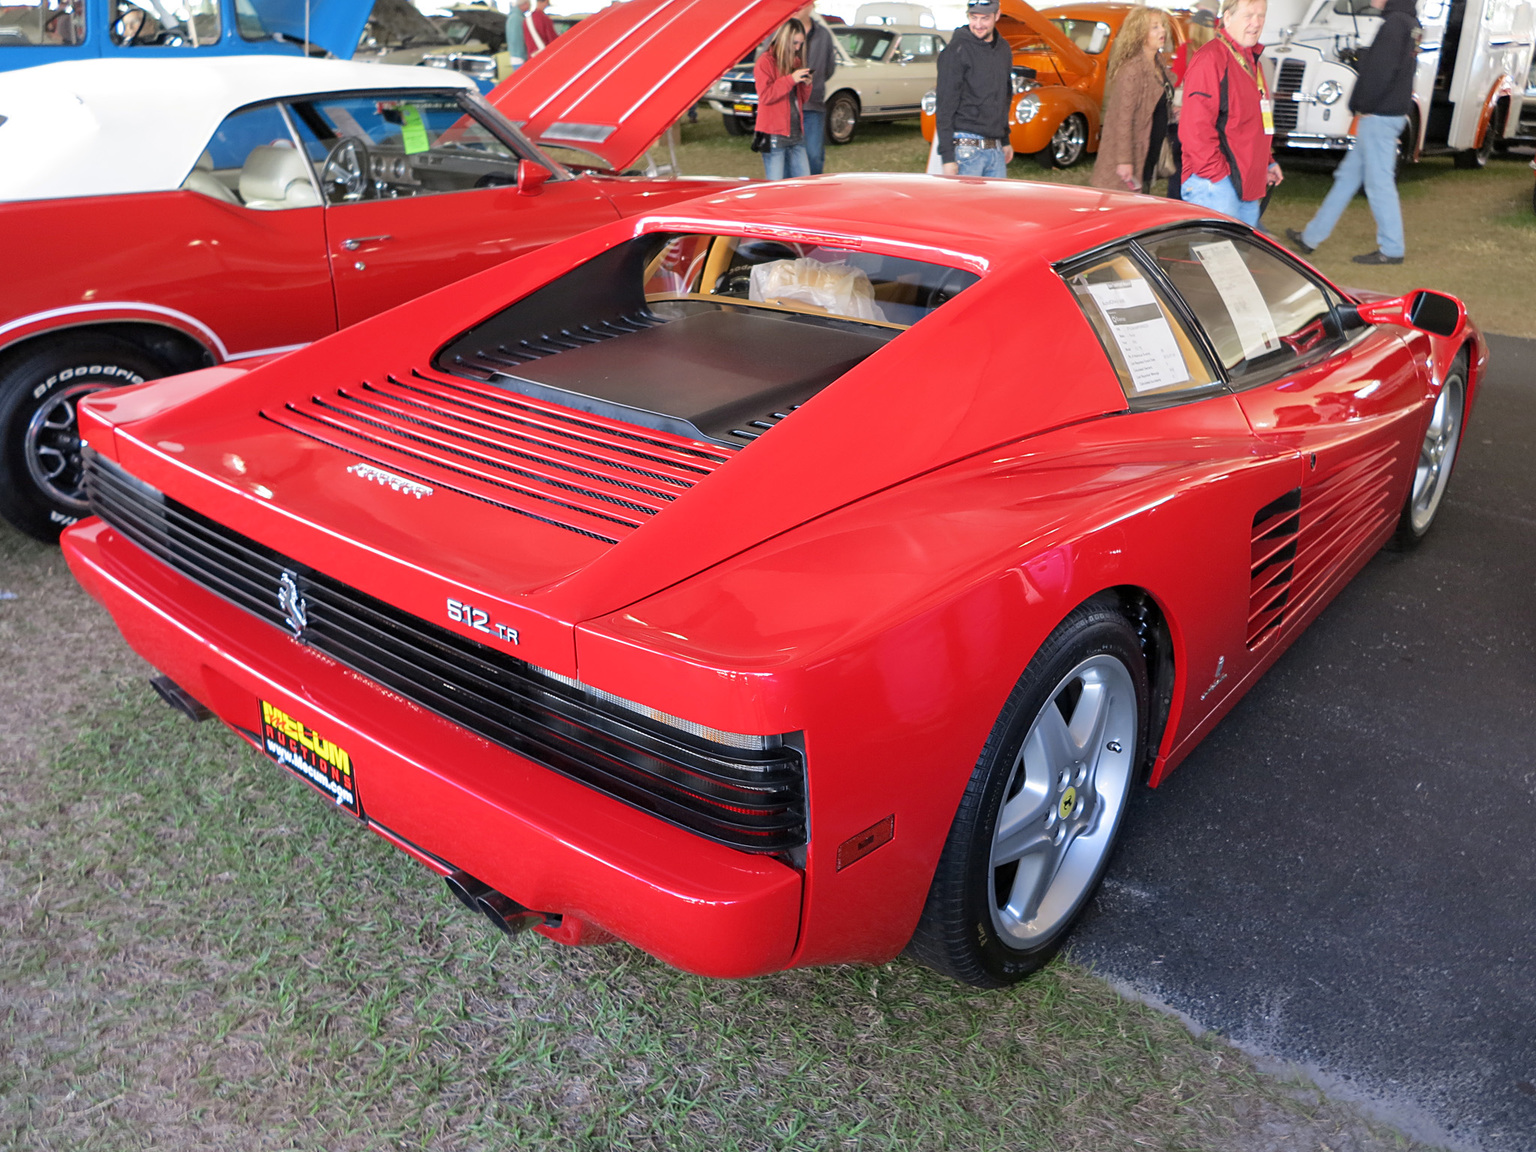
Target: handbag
(762, 142)
(1165, 165)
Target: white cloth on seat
(276, 177)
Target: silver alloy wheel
(1438, 452)
(52, 447)
(1063, 803)
(842, 119)
(1069, 140)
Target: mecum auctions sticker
(309, 756)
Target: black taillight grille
(750, 799)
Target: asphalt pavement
(1342, 878)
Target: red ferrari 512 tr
(791, 576)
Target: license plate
(744, 107)
(310, 756)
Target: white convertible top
(100, 127)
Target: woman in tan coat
(1138, 103)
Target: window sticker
(412, 131)
(1142, 333)
(1233, 281)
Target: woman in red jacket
(783, 85)
(1227, 125)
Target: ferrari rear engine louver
(585, 473)
(1273, 564)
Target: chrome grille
(1287, 84)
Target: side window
(248, 20)
(1262, 314)
(42, 23)
(251, 160)
(922, 48)
(382, 147)
(1148, 346)
(148, 24)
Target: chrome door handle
(357, 242)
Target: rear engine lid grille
(1273, 564)
(749, 797)
(580, 472)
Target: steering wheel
(346, 166)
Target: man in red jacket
(1227, 125)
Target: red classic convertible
(788, 577)
(162, 215)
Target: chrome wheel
(52, 448)
(1063, 802)
(1437, 453)
(1069, 141)
(842, 118)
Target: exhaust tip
(180, 699)
(466, 889)
(507, 914)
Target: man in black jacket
(1383, 97)
(974, 93)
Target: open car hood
(615, 82)
(1037, 23)
(335, 25)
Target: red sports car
(163, 215)
(788, 577)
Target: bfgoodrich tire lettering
(40, 482)
(1043, 808)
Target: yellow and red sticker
(309, 756)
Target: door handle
(356, 242)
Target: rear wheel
(1041, 813)
(842, 117)
(41, 483)
(1437, 456)
(1478, 157)
(1068, 143)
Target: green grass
(201, 953)
(1469, 233)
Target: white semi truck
(1467, 90)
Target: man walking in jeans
(821, 58)
(974, 92)
(1383, 97)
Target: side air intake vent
(1273, 560)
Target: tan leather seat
(201, 179)
(276, 177)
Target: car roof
(110, 126)
(961, 221)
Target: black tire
(1437, 457)
(842, 117)
(736, 125)
(970, 929)
(1068, 145)
(1478, 157)
(40, 482)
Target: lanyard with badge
(1266, 105)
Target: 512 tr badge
(480, 620)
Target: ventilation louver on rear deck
(584, 473)
(1273, 564)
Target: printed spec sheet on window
(1235, 285)
(1141, 332)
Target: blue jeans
(815, 138)
(1221, 196)
(1372, 162)
(793, 158)
(976, 161)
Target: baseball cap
(984, 7)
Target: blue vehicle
(44, 31)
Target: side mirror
(531, 177)
(1432, 312)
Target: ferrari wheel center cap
(1068, 802)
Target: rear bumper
(459, 801)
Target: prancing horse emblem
(289, 600)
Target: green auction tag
(412, 131)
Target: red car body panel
(614, 82)
(874, 573)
